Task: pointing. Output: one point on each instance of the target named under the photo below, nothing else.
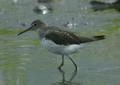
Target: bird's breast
(60, 49)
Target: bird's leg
(63, 75)
(73, 63)
(62, 63)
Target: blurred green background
(24, 62)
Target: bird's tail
(101, 37)
(100, 6)
(91, 39)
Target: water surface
(24, 62)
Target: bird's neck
(41, 33)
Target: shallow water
(24, 62)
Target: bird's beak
(30, 28)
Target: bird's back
(64, 37)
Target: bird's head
(37, 24)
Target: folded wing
(67, 38)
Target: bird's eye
(35, 24)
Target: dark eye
(35, 24)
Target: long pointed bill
(24, 31)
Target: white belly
(60, 49)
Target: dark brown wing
(65, 38)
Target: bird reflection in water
(100, 6)
(67, 82)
